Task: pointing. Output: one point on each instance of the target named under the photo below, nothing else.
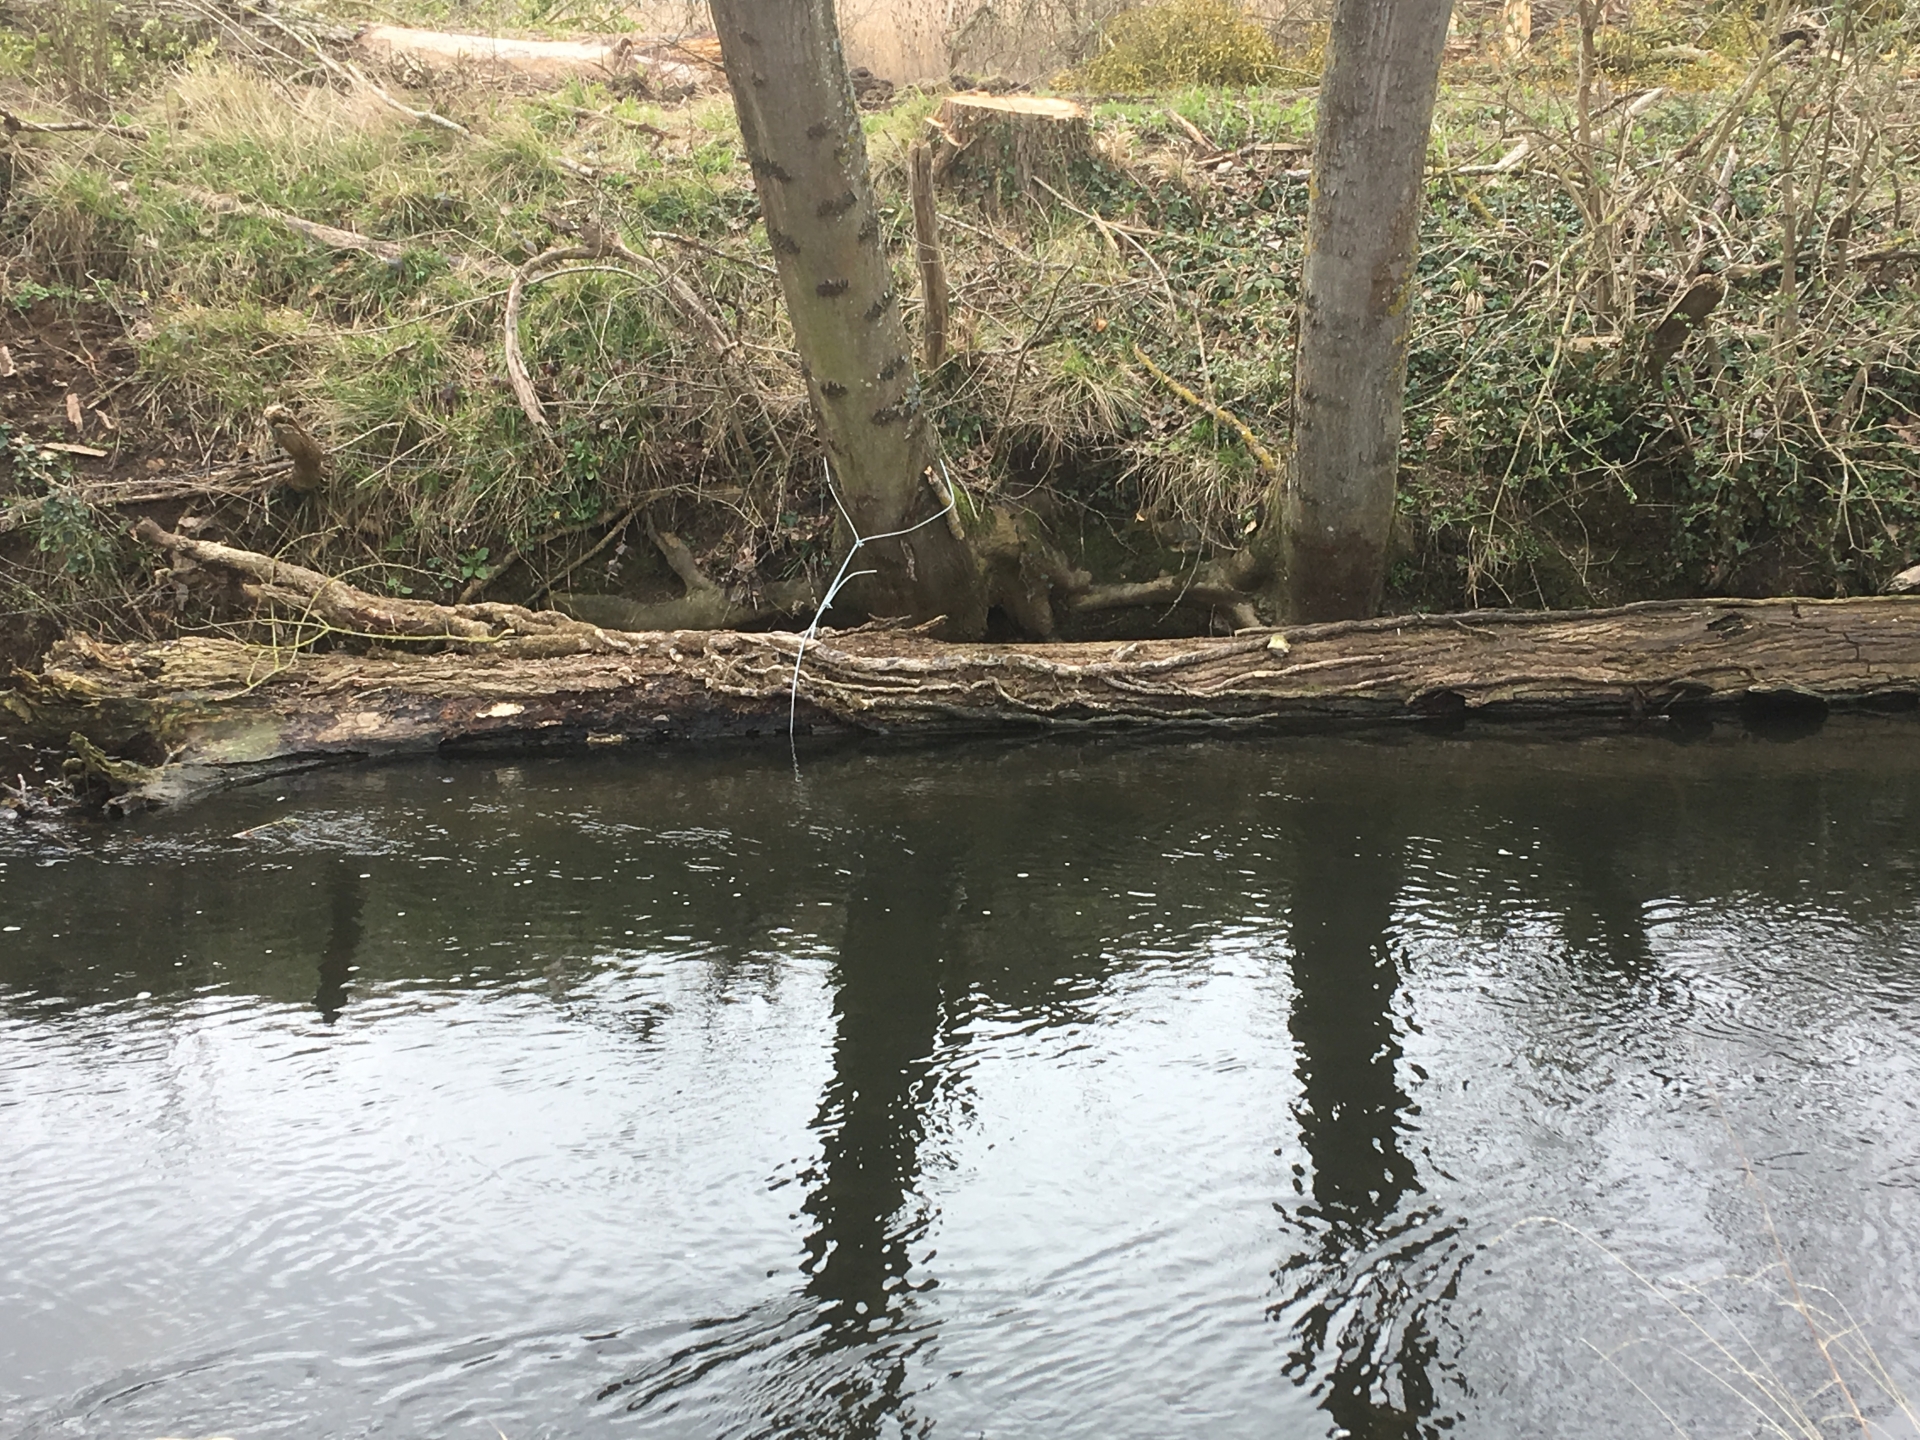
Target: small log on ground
(667, 64)
(1006, 141)
(205, 711)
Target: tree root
(705, 606)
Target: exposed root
(706, 604)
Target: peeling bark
(202, 711)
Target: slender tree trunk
(1350, 369)
(933, 269)
(809, 159)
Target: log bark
(808, 154)
(199, 711)
(1350, 368)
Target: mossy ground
(1545, 461)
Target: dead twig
(14, 125)
(1261, 455)
(619, 526)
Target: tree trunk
(933, 268)
(198, 712)
(809, 160)
(1350, 368)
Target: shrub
(1181, 42)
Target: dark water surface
(1269, 1088)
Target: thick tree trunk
(809, 159)
(1350, 369)
(216, 711)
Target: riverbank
(254, 246)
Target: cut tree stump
(1005, 141)
(161, 722)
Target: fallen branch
(230, 483)
(1506, 163)
(231, 711)
(425, 117)
(689, 243)
(476, 586)
(329, 605)
(329, 235)
(1261, 455)
(1169, 591)
(652, 132)
(597, 245)
(618, 528)
(14, 125)
(1202, 145)
(517, 376)
(706, 604)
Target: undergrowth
(1181, 42)
(1562, 446)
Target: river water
(1268, 1088)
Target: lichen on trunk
(808, 155)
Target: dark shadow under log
(204, 711)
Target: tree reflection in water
(1372, 1261)
(863, 1196)
(346, 898)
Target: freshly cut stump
(1005, 141)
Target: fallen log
(663, 64)
(198, 712)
